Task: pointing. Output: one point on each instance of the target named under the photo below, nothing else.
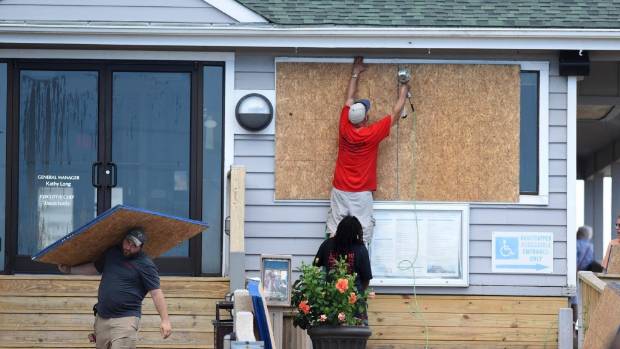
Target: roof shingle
(591, 14)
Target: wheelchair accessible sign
(522, 253)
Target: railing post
(565, 329)
(237, 228)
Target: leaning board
(462, 144)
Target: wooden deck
(464, 322)
(48, 311)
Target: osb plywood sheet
(87, 243)
(605, 319)
(310, 99)
(462, 144)
(466, 134)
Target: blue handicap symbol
(506, 248)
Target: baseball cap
(357, 112)
(137, 236)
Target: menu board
(422, 245)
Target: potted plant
(330, 307)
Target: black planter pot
(339, 337)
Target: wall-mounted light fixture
(254, 112)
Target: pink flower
(323, 318)
(372, 295)
(341, 317)
(352, 298)
(342, 285)
(304, 307)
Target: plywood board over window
(462, 144)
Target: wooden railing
(591, 287)
(293, 337)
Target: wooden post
(277, 317)
(565, 329)
(237, 228)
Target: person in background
(585, 249)
(613, 242)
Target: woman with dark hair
(348, 242)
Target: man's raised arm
(358, 68)
(400, 103)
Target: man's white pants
(358, 204)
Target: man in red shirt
(355, 176)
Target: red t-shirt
(356, 167)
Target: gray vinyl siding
(297, 228)
(177, 11)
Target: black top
(124, 283)
(357, 257)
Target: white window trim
(229, 96)
(542, 198)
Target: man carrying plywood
(127, 276)
(355, 176)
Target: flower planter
(339, 337)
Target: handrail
(593, 280)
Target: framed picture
(275, 276)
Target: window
(528, 173)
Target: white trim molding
(236, 11)
(542, 198)
(267, 35)
(571, 183)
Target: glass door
(150, 142)
(86, 136)
(57, 134)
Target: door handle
(114, 175)
(95, 174)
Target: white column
(571, 182)
(588, 202)
(597, 216)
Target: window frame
(193, 62)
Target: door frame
(189, 265)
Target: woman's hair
(584, 233)
(348, 233)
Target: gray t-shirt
(124, 283)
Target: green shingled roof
(437, 13)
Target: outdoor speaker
(574, 63)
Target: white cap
(357, 113)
